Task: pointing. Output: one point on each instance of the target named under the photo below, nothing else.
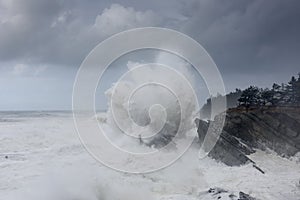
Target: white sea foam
(46, 161)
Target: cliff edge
(245, 130)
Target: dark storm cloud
(62, 32)
(43, 42)
(40, 31)
(248, 36)
(241, 35)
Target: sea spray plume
(95, 137)
(145, 103)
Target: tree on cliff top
(249, 97)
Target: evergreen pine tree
(249, 97)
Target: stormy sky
(43, 42)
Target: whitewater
(41, 157)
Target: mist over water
(152, 103)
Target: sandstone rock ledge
(275, 128)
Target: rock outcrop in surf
(245, 130)
(219, 193)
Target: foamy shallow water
(41, 157)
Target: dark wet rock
(274, 128)
(244, 196)
(13, 156)
(259, 169)
(232, 196)
(258, 128)
(228, 148)
(202, 128)
(219, 193)
(216, 191)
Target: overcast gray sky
(43, 42)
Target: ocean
(41, 157)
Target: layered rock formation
(275, 128)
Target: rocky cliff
(275, 128)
